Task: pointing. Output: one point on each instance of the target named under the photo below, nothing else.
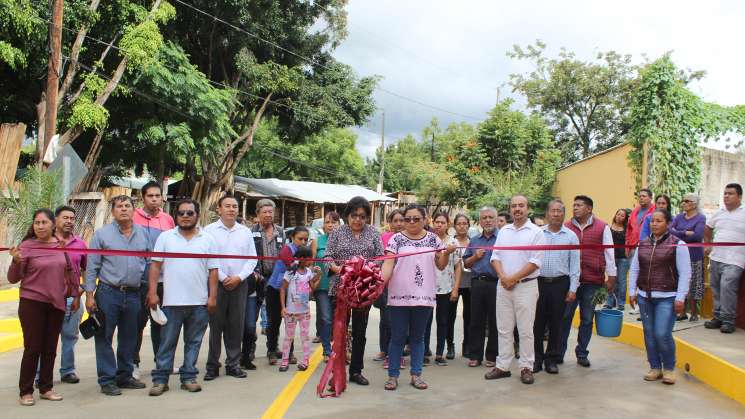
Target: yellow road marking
(284, 400)
(9, 295)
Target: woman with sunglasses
(411, 282)
(689, 226)
(41, 308)
(355, 238)
(395, 225)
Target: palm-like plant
(38, 189)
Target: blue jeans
(121, 310)
(323, 311)
(658, 318)
(618, 297)
(69, 338)
(248, 348)
(194, 320)
(264, 318)
(411, 322)
(585, 292)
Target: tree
(585, 103)
(672, 122)
(329, 156)
(131, 29)
(280, 65)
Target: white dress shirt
(514, 260)
(236, 240)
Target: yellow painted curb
(284, 400)
(10, 326)
(9, 295)
(11, 342)
(723, 376)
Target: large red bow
(360, 284)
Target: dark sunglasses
(412, 219)
(187, 213)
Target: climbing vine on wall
(672, 121)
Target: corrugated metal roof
(306, 191)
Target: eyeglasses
(187, 213)
(358, 216)
(687, 201)
(412, 219)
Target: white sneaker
(634, 311)
(136, 373)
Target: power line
(315, 62)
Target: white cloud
(452, 55)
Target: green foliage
(38, 189)
(140, 44)
(672, 121)
(12, 56)
(329, 156)
(87, 114)
(585, 102)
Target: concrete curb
(9, 295)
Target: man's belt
(525, 280)
(122, 288)
(552, 279)
(486, 278)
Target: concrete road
(612, 388)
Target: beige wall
(605, 177)
(719, 168)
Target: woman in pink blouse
(411, 291)
(41, 308)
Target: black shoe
(70, 378)
(249, 366)
(560, 361)
(451, 352)
(211, 374)
(131, 384)
(682, 317)
(293, 360)
(727, 328)
(359, 379)
(111, 390)
(713, 324)
(235, 372)
(551, 368)
(537, 367)
(428, 352)
(583, 362)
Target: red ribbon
(180, 255)
(360, 283)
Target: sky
(452, 55)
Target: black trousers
(465, 295)
(274, 316)
(483, 316)
(549, 313)
(359, 339)
(442, 317)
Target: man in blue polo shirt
(483, 291)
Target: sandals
(302, 367)
(490, 364)
(27, 400)
(283, 367)
(474, 363)
(51, 396)
(391, 384)
(418, 383)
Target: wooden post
(283, 213)
(245, 219)
(54, 68)
(323, 211)
(305, 215)
(11, 140)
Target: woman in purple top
(41, 308)
(411, 291)
(689, 227)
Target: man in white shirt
(517, 292)
(726, 263)
(234, 275)
(189, 296)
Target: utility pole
(53, 72)
(382, 155)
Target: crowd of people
(511, 298)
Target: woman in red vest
(659, 280)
